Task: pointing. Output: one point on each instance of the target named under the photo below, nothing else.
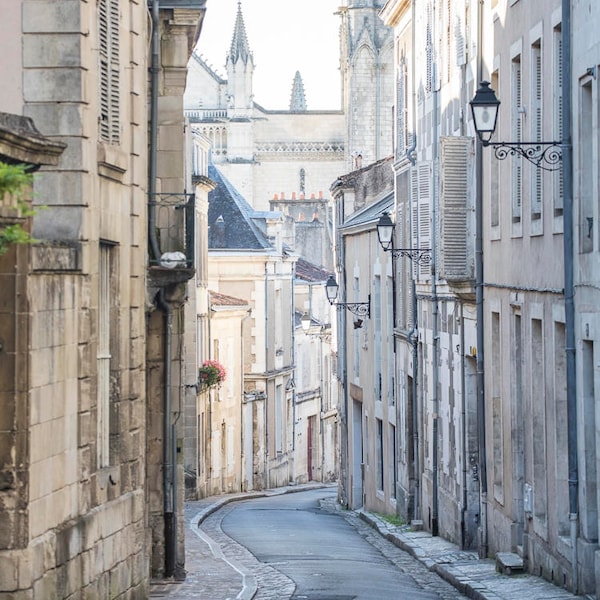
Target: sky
(284, 36)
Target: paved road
(219, 568)
(307, 550)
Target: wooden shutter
(109, 71)
(455, 236)
(420, 214)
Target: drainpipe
(168, 442)
(169, 474)
(483, 542)
(567, 171)
(463, 419)
(435, 309)
(413, 335)
(154, 71)
(413, 338)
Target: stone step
(509, 563)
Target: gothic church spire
(239, 42)
(298, 99)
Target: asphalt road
(311, 552)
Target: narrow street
(298, 546)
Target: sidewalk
(210, 576)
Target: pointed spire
(239, 42)
(298, 99)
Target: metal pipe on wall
(571, 373)
(483, 536)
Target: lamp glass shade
(385, 229)
(484, 108)
(305, 321)
(331, 289)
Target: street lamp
(360, 309)
(484, 109)
(305, 321)
(385, 231)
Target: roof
(223, 300)
(371, 212)
(233, 223)
(311, 273)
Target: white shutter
(420, 191)
(455, 238)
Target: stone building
(263, 153)
(84, 513)
(286, 161)
(496, 334)
(247, 260)
(364, 332)
(316, 426)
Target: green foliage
(14, 182)
(391, 519)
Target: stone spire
(298, 99)
(239, 42)
(240, 71)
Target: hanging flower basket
(211, 373)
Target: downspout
(567, 172)
(483, 542)
(435, 309)
(154, 71)
(413, 335)
(463, 420)
(169, 475)
(168, 470)
(266, 391)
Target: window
(279, 418)
(498, 451)
(376, 316)
(536, 125)
(516, 127)
(393, 460)
(109, 65)
(538, 403)
(104, 355)
(558, 131)
(379, 450)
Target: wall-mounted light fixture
(360, 309)
(305, 321)
(385, 232)
(484, 108)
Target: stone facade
(76, 445)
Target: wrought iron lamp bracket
(543, 155)
(360, 309)
(421, 256)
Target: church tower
(240, 101)
(367, 64)
(240, 71)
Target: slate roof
(233, 223)
(371, 212)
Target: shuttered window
(108, 41)
(454, 201)
(517, 167)
(558, 114)
(420, 217)
(536, 114)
